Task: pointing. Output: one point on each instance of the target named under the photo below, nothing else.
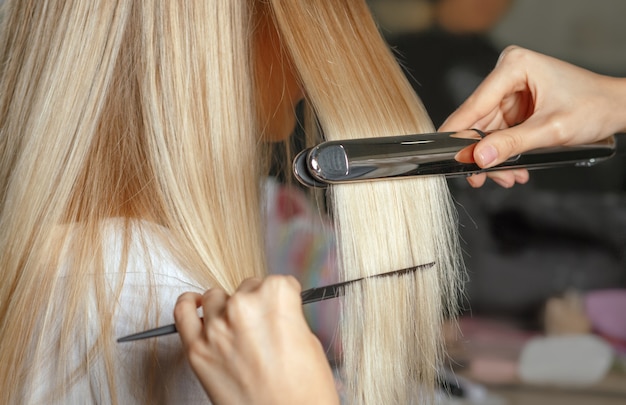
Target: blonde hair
(146, 110)
(391, 327)
(135, 109)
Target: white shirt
(141, 290)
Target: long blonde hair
(146, 110)
(390, 328)
(134, 109)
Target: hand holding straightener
(537, 101)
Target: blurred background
(544, 308)
(545, 299)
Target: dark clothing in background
(444, 68)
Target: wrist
(618, 88)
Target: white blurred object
(565, 360)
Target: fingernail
(487, 155)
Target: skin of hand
(535, 101)
(255, 346)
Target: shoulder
(135, 288)
(152, 282)
(142, 272)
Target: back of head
(139, 110)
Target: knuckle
(513, 53)
(250, 283)
(293, 283)
(521, 176)
(212, 294)
(184, 296)
(508, 181)
(179, 311)
(505, 54)
(274, 282)
(197, 347)
(505, 179)
(558, 131)
(184, 304)
(515, 58)
(198, 353)
(513, 142)
(283, 285)
(239, 305)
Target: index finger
(188, 323)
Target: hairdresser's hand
(255, 347)
(553, 102)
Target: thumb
(500, 145)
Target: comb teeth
(408, 270)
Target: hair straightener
(353, 160)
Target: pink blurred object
(493, 370)
(490, 348)
(607, 311)
(300, 241)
